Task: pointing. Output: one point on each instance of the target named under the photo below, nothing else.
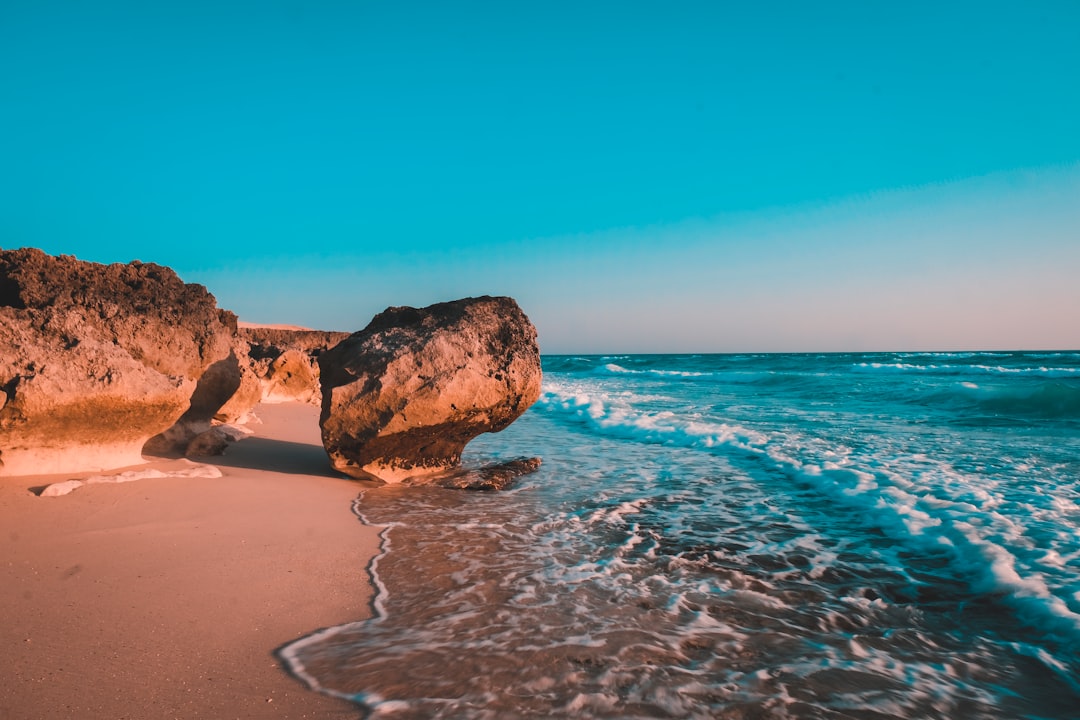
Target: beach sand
(166, 598)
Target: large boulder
(95, 359)
(402, 397)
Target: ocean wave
(1048, 372)
(957, 355)
(615, 415)
(923, 503)
(1051, 399)
(934, 507)
(728, 376)
(613, 369)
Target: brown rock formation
(248, 393)
(285, 362)
(207, 443)
(291, 378)
(266, 365)
(95, 359)
(217, 385)
(491, 477)
(402, 397)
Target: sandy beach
(167, 598)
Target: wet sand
(168, 597)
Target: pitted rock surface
(286, 362)
(266, 365)
(95, 359)
(403, 397)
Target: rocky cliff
(95, 359)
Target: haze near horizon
(696, 178)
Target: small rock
(61, 488)
(211, 442)
(492, 477)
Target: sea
(872, 535)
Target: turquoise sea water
(742, 536)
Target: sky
(641, 177)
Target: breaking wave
(919, 501)
(1046, 372)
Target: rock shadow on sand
(273, 455)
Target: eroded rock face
(217, 386)
(285, 362)
(290, 378)
(238, 408)
(403, 397)
(267, 365)
(95, 359)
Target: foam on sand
(185, 469)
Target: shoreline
(172, 597)
(289, 653)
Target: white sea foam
(613, 369)
(182, 468)
(940, 509)
(1048, 372)
(961, 355)
(292, 654)
(734, 376)
(616, 415)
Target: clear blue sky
(697, 176)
